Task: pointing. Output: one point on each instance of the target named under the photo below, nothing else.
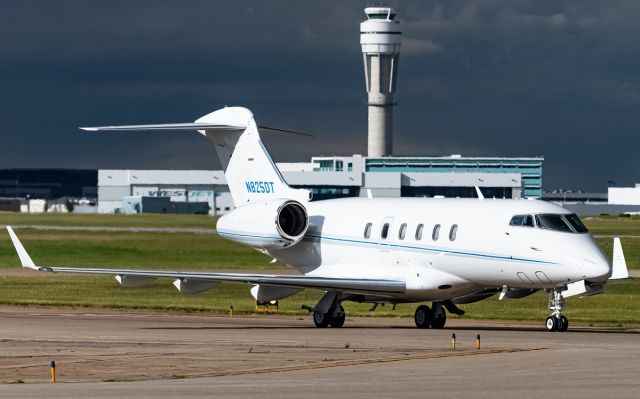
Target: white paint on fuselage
(486, 252)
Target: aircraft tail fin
(249, 170)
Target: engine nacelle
(267, 225)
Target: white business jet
(382, 250)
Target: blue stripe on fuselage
(392, 245)
(444, 251)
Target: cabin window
(522, 220)
(419, 232)
(367, 230)
(385, 231)
(453, 232)
(436, 232)
(403, 231)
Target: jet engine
(266, 225)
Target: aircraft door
(522, 241)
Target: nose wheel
(556, 321)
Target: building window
(453, 232)
(403, 231)
(367, 230)
(419, 232)
(436, 232)
(339, 166)
(385, 231)
(326, 166)
(350, 166)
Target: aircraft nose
(596, 266)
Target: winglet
(25, 259)
(479, 192)
(619, 267)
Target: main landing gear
(328, 311)
(334, 318)
(434, 318)
(556, 321)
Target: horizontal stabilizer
(165, 127)
(189, 127)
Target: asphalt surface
(146, 355)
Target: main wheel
(563, 324)
(551, 323)
(438, 319)
(320, 319)
(423, 316)
(338, 321)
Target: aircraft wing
(140, 277)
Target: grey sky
(489, 77)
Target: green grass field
(107, 220)
(180, 250)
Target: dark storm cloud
(491, 77)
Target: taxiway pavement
(153, 355)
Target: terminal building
(337, 177)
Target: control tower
(380, 39)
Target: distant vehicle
(382, 250)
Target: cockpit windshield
(569, 223)
(553, 222)
(576, 223)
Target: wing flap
(351, 285)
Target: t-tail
(250, 172)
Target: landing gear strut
(556, 321)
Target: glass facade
(529, 168)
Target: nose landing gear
(556, 321)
